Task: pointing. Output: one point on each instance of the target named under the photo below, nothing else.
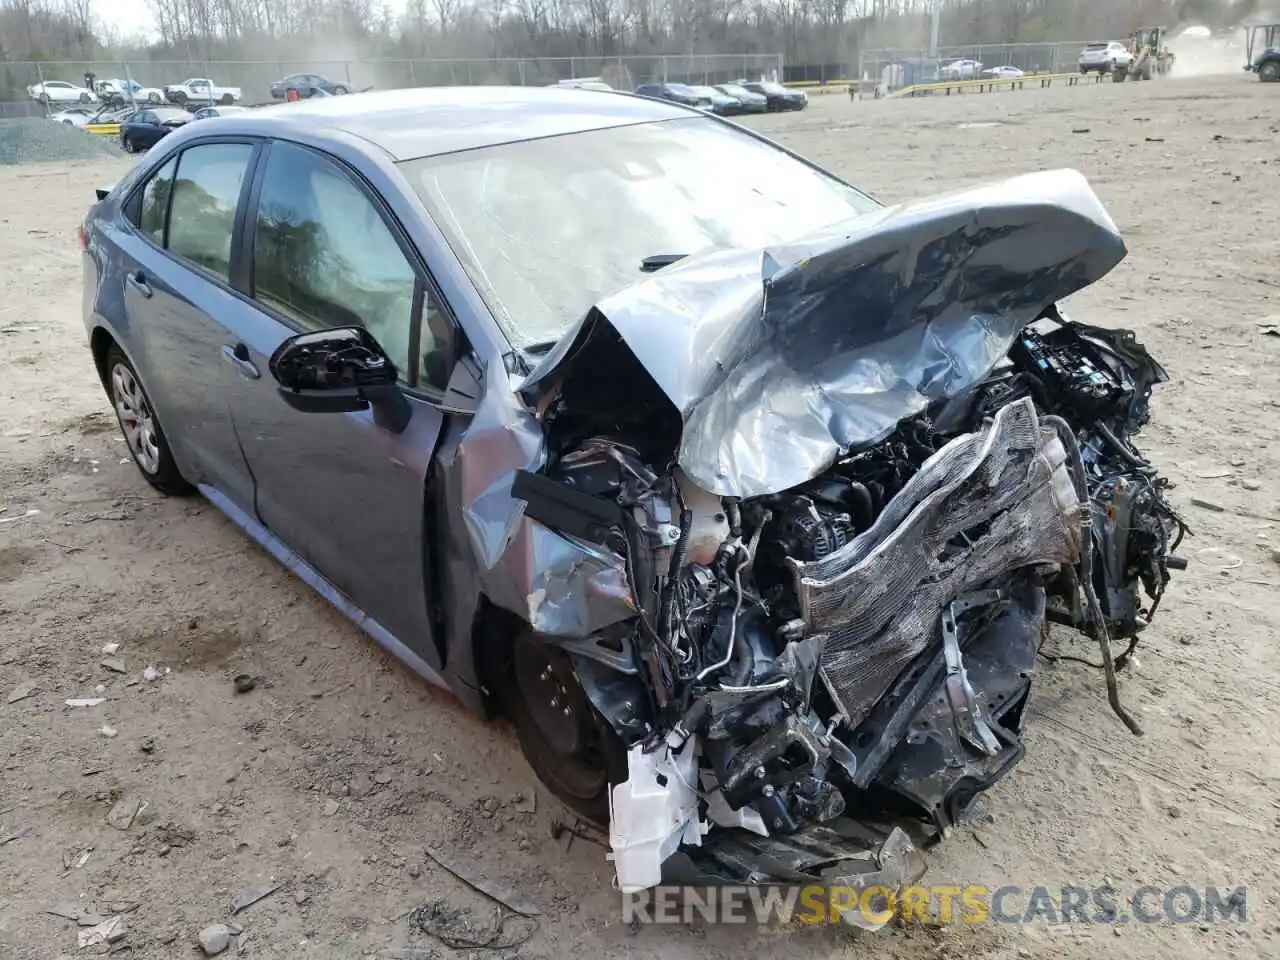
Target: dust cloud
(1199, 53)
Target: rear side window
(202, 212)
(155, 203)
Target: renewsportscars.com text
(943, 903)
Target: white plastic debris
(110, 648)
(653, 813)
(108, 931)
(30, 513)
(108, 731)
(151, 673)
(85, 701)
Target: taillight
(84, 240)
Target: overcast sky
(127, 16)
(134, 16)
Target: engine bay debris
(794, 522)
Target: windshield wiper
(659, 260)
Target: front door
(347, 495)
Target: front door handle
(238, 357)
(138, 280)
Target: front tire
(572, 749)
(1269, 72)
(226, 100)
(178, 97)
(140, 426)
(129, 146)
(85, 98)
(339, 90)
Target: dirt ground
(335, 773)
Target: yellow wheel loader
(1150, 56)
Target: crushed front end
(810, 541)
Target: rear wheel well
(99, 343)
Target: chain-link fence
(254, 77)
(920, 65)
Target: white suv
(1105, 56)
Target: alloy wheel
(136, 418)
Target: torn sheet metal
(560, 586)
(780, 359)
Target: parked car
(303, 83)
(200, 90)
(960, 70)
(721, 103)
(74, 116)
(1104, 56)
(144, 129)
(674, 93)
(205, 113)
(428, 349)
(751, 102)
(1003, 73)
(105, 118)
(122, 91)
(59, 91)
(583, 83)
(777, 97)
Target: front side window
(203, 210)
(324, 257)
(546, 228)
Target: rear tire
(153, 97)
(1269, 72)
(140, 425)
(178, 97)
(339, 90)
(571, 748)
(226, 99)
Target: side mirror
(341, 370)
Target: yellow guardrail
(817, 89)
(988, 85)
(102, 129)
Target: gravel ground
(38, 140)
(176, 795)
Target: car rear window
(1096, 46)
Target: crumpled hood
(781, 359)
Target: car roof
(429, 121)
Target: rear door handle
(238, 357)
(138, 280)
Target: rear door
(344, 493)
(176, 293)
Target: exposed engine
(865, 641)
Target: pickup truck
(200, 90)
